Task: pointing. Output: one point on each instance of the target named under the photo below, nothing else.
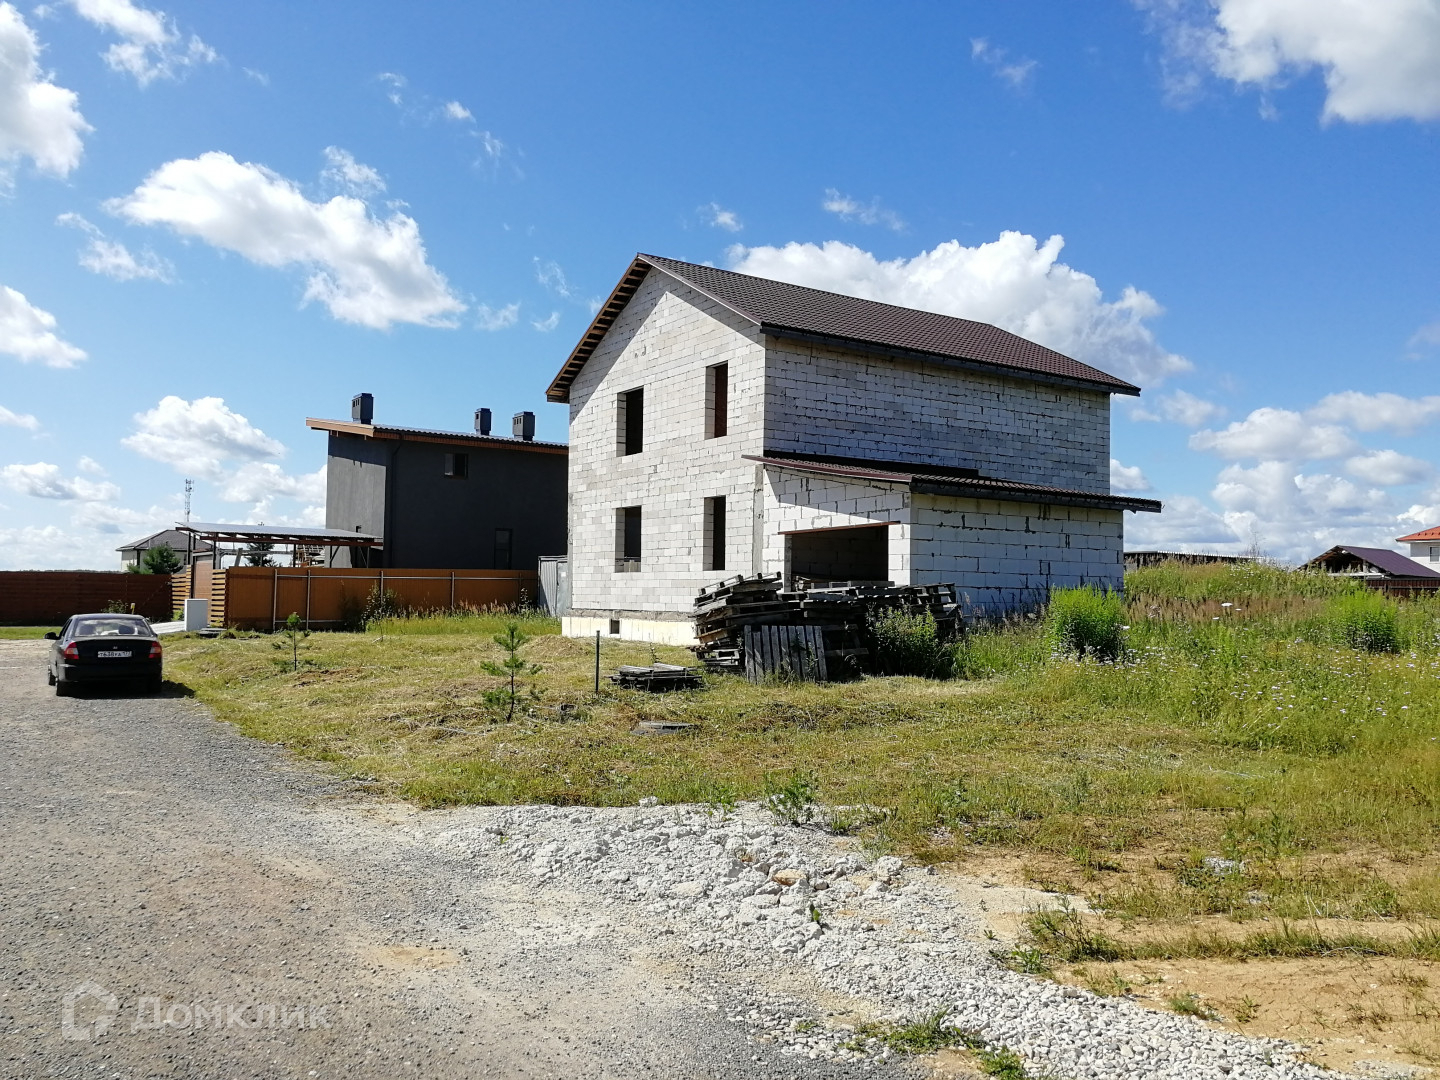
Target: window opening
(630, 422)
(714, 525)
(717, 401)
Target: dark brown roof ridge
(784, 309)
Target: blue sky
(217, 220)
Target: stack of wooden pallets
(752, 625)
(658, 678)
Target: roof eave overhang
(955, 363)
(559, 389)
(960, 489)
(372, 431)
(1096, 502)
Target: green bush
(908, 643)
(1087, 621)
(1366, 621)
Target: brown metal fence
(263, 597)
(49, 597)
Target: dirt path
(209, 909)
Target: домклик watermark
(90, 1012)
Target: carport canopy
(293, 536)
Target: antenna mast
(189, 487)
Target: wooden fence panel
(795, 652)
(262, 597)
(49, 597)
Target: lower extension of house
(723, 424)
(1004, 546)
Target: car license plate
(112, 654)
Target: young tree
(513, 667)
(258, 553)
(161, 559)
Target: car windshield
(117, 627)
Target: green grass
(23, 633)
(1240, 729)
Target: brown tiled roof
(1420, 537)
(782, 309)
(933, 480)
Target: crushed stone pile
(760, 897)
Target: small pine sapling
(513, 669)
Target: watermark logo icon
(88, 1000)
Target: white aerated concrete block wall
(1006, 555)
(663, 342)
(795, 501)
(820, 400)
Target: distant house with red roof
(1424, 545)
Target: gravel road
(180, 901)
(233, 915)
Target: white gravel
(764, 899)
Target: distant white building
(723, 424)
(181, 543)
(1424, 546)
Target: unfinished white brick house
(723, 424)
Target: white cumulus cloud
(365, 270)
(1181, 408)
(259, 483)
(1185, 524)
(24, 421)
(1127, 477)
(871, 213)
(488, 318)
(38, 119)
(1388, 468)
(28, 333)
(1378, 412)
(1014, 282)
(717, 216)
(45, 481)
(113, 259)
(455, 111)
(198, 437)
(150, 46)
(1380, 59)
(1278, 434)
(349, 175)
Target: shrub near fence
(49, 597)
(261, 597)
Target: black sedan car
(104, 648)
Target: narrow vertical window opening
(630, 422)
(504, 545)
(627, 539)
(714, 525)
(717, 401)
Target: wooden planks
(787, 652)
(829, 620)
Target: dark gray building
(445, 499)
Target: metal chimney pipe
(482, 421)
(523, 426)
